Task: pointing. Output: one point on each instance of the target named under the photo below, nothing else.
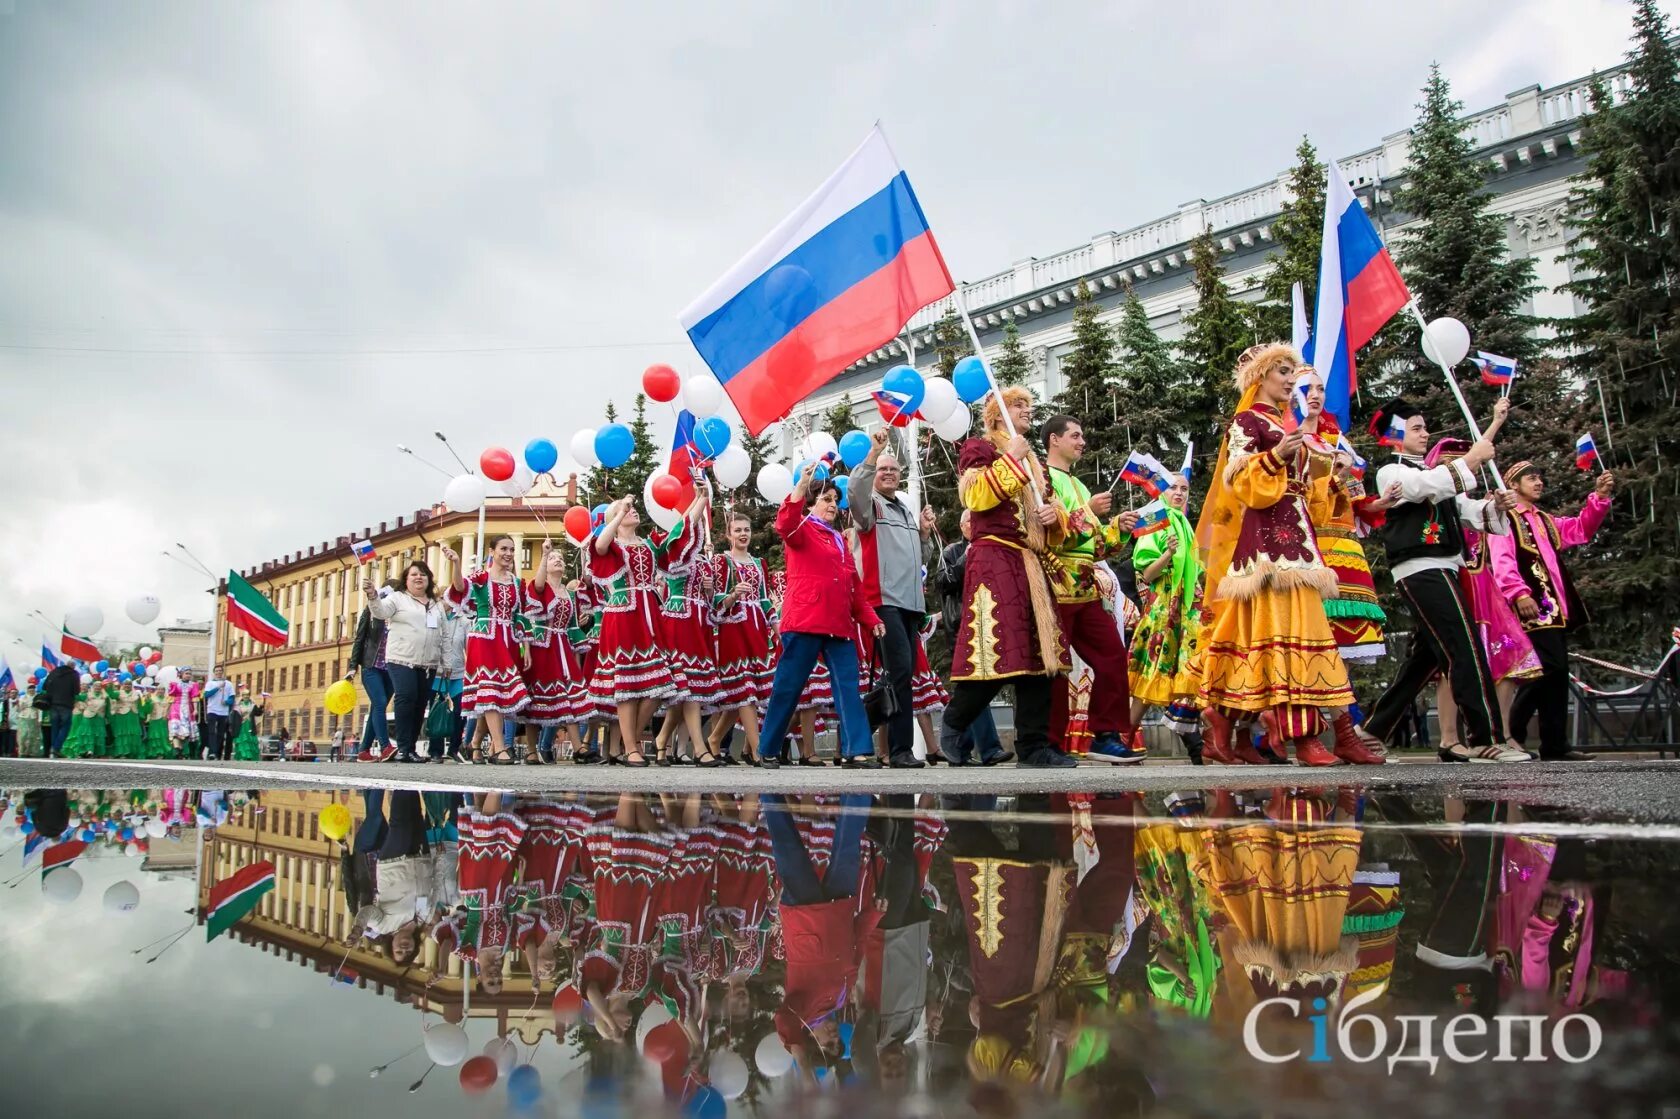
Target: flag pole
(1604, 413)
(974, 340)
(1458, 394)
(914, 431)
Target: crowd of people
(70, 713)
(1238, 630)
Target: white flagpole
(1458, 394)
(974, 340)
(914, 433)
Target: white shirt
(1420, 484)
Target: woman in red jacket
(824, 600)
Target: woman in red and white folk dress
(685, 629)
(628, 855)
(479, 929)
(743, 913)
(631, 669)
(495, 601)
(741, 610)
(603, 718)
(927, 691)
(816, 699)
(554, 677)
(554, 881)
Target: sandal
(813, 761)
(1453, 752)
(641, 761)
(500, 757)
(708, 760)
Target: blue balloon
(706, 1103)
(541, 455)
(126, 834)
(524, 1085)
(123, 677)
(614, 445)
(39, 674)
(970, 380)
(903, 381)
(711, 435)
(854, 448)
(100, 667)
(844, 485)
(89, 835)
(819, 473)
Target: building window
(309, 676)
(338, 630)
(314, 831)
(312, 633)
(335, 668)
(294, 677)
(320, 721)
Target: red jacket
(823, 595)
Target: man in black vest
(1424, 536)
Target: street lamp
(465, 469)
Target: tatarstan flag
(250, 611)
(235, 896)
(61, 854)
(78, 648)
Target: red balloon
(478, 1075)
(155, 657)
(661, 383)
(577, 523)
(497, 464)
(665, 1043)
(568, 1005)
(667, 491)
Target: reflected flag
(235, 896)
(61, 855)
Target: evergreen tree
(1298, 231)
(1013, 365)
(1626, 343)
(766, 545)
(1090, 388)
(599, 484)
(840, 419)
(1146, 386)
(647, 458)
(1217, 330)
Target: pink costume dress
(1526, 562)
(183, 710)
(1510, 654)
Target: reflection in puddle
(1286, 951)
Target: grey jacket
(898, 546)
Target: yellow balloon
(341, 698)
(335, 821)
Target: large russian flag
(1359, 290)
(837, 278)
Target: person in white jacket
(407, 886)
(450, 682)
(414, 618)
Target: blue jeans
(800, 884)
(799, 657)
(60, 730)
(411, 687)
(377, 684)
(981, 735)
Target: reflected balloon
(446, 1043)
(62, 886)
(771, 1057)
(121, 897)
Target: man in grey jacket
(894, 543)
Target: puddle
(1266, 951)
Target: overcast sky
(248, 248)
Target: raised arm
(458, 579)
(539, 578)
(609, 531)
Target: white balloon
(818, 444)
(167, 675)
(732, 467)
(145, 652)
(464, 493)
(940, 400)
(152, 670)
(652, 1018)
(143, 609)
(62, 886)
(87, 678)
(702, 395)
(519, 484)
(657, 513)
(1447, 341)
(775, 482)
(132, 849)
(771, 1057)
(446, 1043)
(728, 1074)
(84, 619)
(122, 897)
(583, 449)
(954, 426)
(156, 828)
(504, 1052)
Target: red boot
(1243, 747)
(1350, 747)
(1216, 744)
(1310, 751)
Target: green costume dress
(1168, 877)
(245, 746)
(31, 727)
(126, 728)
(80, 742)
(155, 708)
(1166, 662)
(99, 718)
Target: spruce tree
(599, 484)
(1012, 365)
(1217, 330)
(647, 458)
(1298, 231)
(1089, 392)
(1625, 256)
(1147, 382)
(839, 419)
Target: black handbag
(880, 702)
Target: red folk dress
(685, 618)
(486, 853)
(554, 677)
(630, 662)
(553, 870)
(928, 694)
(744, 634)
(499, 625)
(627, 867)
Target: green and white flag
(235, 896)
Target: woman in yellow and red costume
(1269, 647)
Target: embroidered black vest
(1531, 565)
(1418, 530)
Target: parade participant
(553, 677)
(495, 599)
(892, 543)
(685, 628)
(586, 641)
(62, 687)
(632, 670)
(629, 852)
(413, 619)
(367, 657)
(478, 929)
(816, 697)
(1166, 667)
(1424, 535)
(124, 711)
(246, 746)
(183, 713)
(1088, 628)
(927, 690)
(156, 709)
(824, 600)
(1009, 633)
(1268, 649)
(1530, 574)
(982, 732)
(741, 609)
(32, 725)
(218, 707)
(81, 741)
(450, 682)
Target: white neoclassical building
(1530, 144)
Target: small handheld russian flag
(1496, 370)
(1298, 400)
(1343, 443)
(363, 550)
(1146, 472)
(1393, 434)
(1586, 453)
(892, 406)
(1151, 518)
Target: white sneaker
(1501, 753)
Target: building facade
(186, 645)
(1529, 146)
(319, 590)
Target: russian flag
(1586, 452)
(837, 278)
(1359, 464)
(685, 456)
(1151, 518)
(1359, 290)
(1496, 370)
(72, 646)
(363, 550)
(892, 405)
(6, 679)
(1145, 471)
(49, 659)
(1394, 435)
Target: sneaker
(1047, 758)
(367, 756)
(1113, 750)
